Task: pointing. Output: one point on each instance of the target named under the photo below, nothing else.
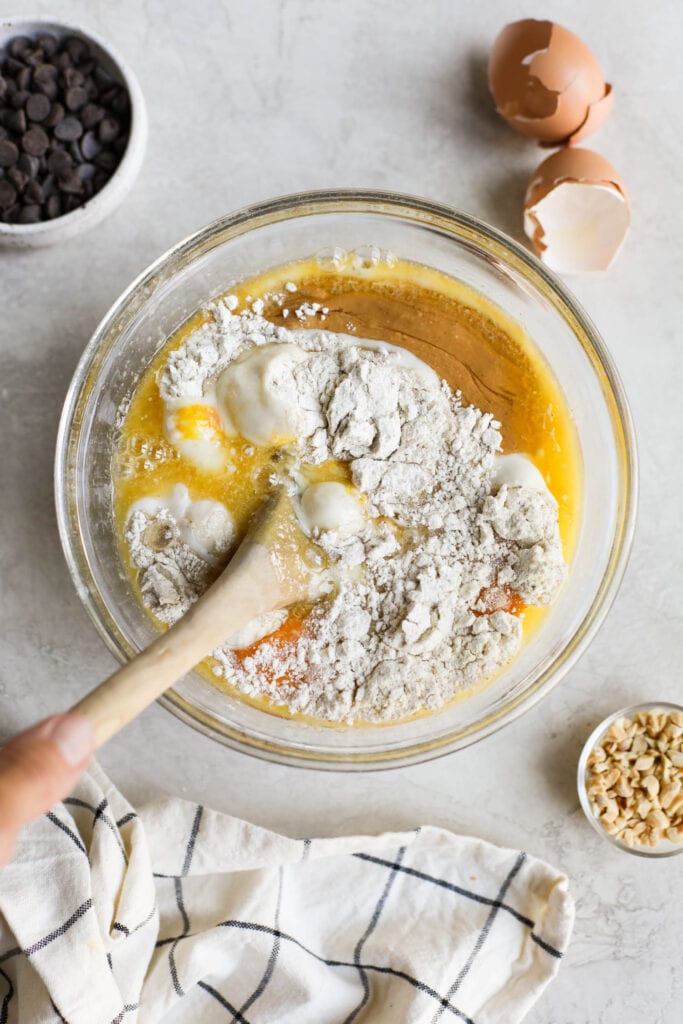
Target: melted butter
(467, 340)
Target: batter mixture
(440, 523)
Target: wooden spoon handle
(248, 587)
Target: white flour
(413, 617)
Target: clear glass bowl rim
(463, 228)
(581, 772)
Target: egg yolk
(198, 423)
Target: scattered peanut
(635, 779)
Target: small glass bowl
(666, 848)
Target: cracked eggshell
(547, 83)
(576, 211)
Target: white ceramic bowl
(110, 195)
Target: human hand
(38, 768)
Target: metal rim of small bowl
(126, 171)
(506, 253)
(670, 850)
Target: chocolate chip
(19, 98)
(33, 193)
(47, 43)
(86, 171)
(73, 78)
(90, 145)
(45, 73)
(76, 98)
(3, 132)
(16, 122)
(38, 106)
(71, 183)
(9, 154)
(17, 177)
(53, 207)
(35, 141)
(108, 129)
(29, 214)
(19, 44)
(69, 129)
(3, 87)
(120, 104)
(8, 194)
(100, 180)
(70, 203)
(24, 79)
(34, 58)
(49, 186)
(108, 97)
(55, 116)
(49, 88)
(75, 150)
(28, 164)
(14, 66)
(60, 163)
(91, 115)
(103, 79)
(106, 160)
(77, 48)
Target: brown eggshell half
(546, 82)
(576, 211)
(597, 114)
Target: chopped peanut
(634, 779)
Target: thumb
(38, 768)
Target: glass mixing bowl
(292, 228)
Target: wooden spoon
(273, 567)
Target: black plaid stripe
(483, 934)
(125, 930)
(7, 998)
(65, 828)
(274, 953)
(368, 932)
(56, 934)
(546, 946)
(128, 1008)
(264, 929)
(125, 819)
(189, 851)
(468, 894)
(99, 814)
(236, 1014)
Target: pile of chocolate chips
(64, 126)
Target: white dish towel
(181, 914)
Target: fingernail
(75, 738)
